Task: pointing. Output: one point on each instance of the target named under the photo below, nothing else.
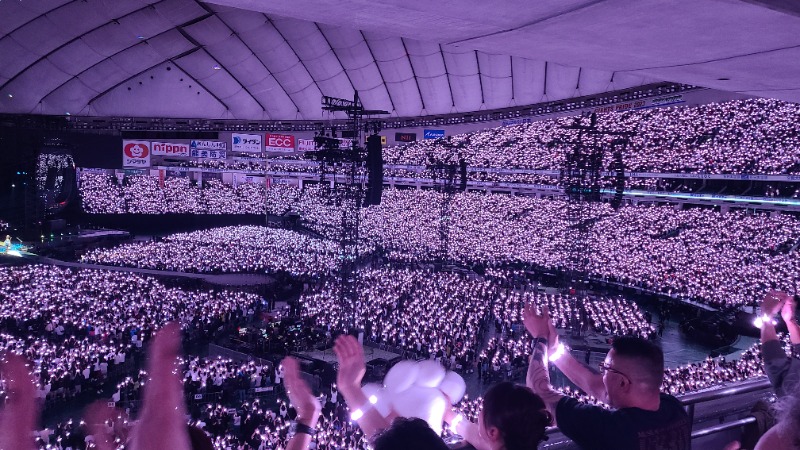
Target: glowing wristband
(455, 423)
(560, 351)
(762, 319)
(359, 413)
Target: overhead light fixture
(217, 67)
(140, 37)
(10, 96)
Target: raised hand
(352, 365)
(788, 309)
(300, 395)
(162, 423)
(97, 416)
(540, 325)
(773, 302)
(18, 417)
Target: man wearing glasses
(629, 380)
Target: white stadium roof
(275, 59)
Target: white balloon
(453, 386)
(371, 389)
(401, 376)
(428, 404)
(382, 397)
(384, 403)
(430, 374)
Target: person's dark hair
(647, 353)
(519, 414)
(199, 439)
(408, 433)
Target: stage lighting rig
(445, 173)
(581, 178)
(348, 193)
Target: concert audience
(650, 247)
(242, 249)
(417, 312)
(740, 136)
(145, 194)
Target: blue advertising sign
(433, 134)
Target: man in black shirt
(641, 418)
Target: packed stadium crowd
(79, 326)
(740, 136)
(143, 194)
(652, 247)
(706, 139)
(85, 328)
(223, 401)
(242, 249)
(418, 312)
(103, 304)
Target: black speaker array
(375, 170)
(462, 165)
(619, 181)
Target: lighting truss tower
(444, 180)
(581, 178)
(348, 196)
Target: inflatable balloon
(379, 398)
(453, 386)
(430, 374)
(428, 404)
(401, 376)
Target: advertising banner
(135, 154)
(283, 143)
(131, 172)
(345, 143)
(512, 122)
(210, 154)
(177, 173)
(208, 145)
(305, 145)
(247, 143)
(619, 107)
(669, 100)
(433, 134)
(405, 137)
(242, 178)
(285, 181)
(170, 149)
